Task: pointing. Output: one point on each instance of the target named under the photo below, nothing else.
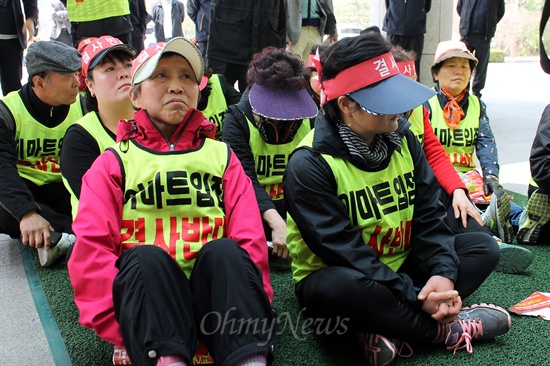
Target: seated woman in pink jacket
(170, 247)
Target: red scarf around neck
(452, 112)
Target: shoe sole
(530, 230)
(513, 259)
(503, 217)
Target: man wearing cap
(478, 23)
(34, 205)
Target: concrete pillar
(439, 27)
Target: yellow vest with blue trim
(173, 200)
(89, 10)
(91, 123)
(38, 146)
(459, 143)
(379, 204)
(217, 105)
(271, 159)
(416, 118)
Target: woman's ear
(90, 86)
(347, 105)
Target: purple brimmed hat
(282, 104)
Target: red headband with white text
(358, 76)
(407, 68)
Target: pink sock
(258, 360)
(171, 360)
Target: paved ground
(516, 95)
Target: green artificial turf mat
(526, 344)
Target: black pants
(232, 72)
(55, 206)
(482, 47)
(410, 43)
(370, 307)
(11, 65)
(223, 302)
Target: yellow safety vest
(173, 200)
(217, 105)
(89, 10)
(380, 204)
(270, 159)
(38, 146)
(91, 123)
(459, 143)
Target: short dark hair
(276, 68)
(400, 54)
(346, 53)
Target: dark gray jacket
(406, 17)
(493, 14)
(241, 28)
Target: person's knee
(219, 248)
(144, 256)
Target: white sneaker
(58, 249)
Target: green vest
(91, 123)
(89, 10)
(379, 204)
(459, 143)
(38, 146)
(416, 118)
(270, 159)
(217, 105)
(173, 200)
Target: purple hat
(282, 104)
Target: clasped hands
(440, 299)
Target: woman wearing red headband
(366, 232)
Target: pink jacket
(97, 226)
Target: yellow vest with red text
(270, 159)
(173, 200)
(379, 204)
(459, 143)
(38, 146)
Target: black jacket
(324, 222)
(494, 13)
(540, 153)
(241, 28)
(406, 17)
